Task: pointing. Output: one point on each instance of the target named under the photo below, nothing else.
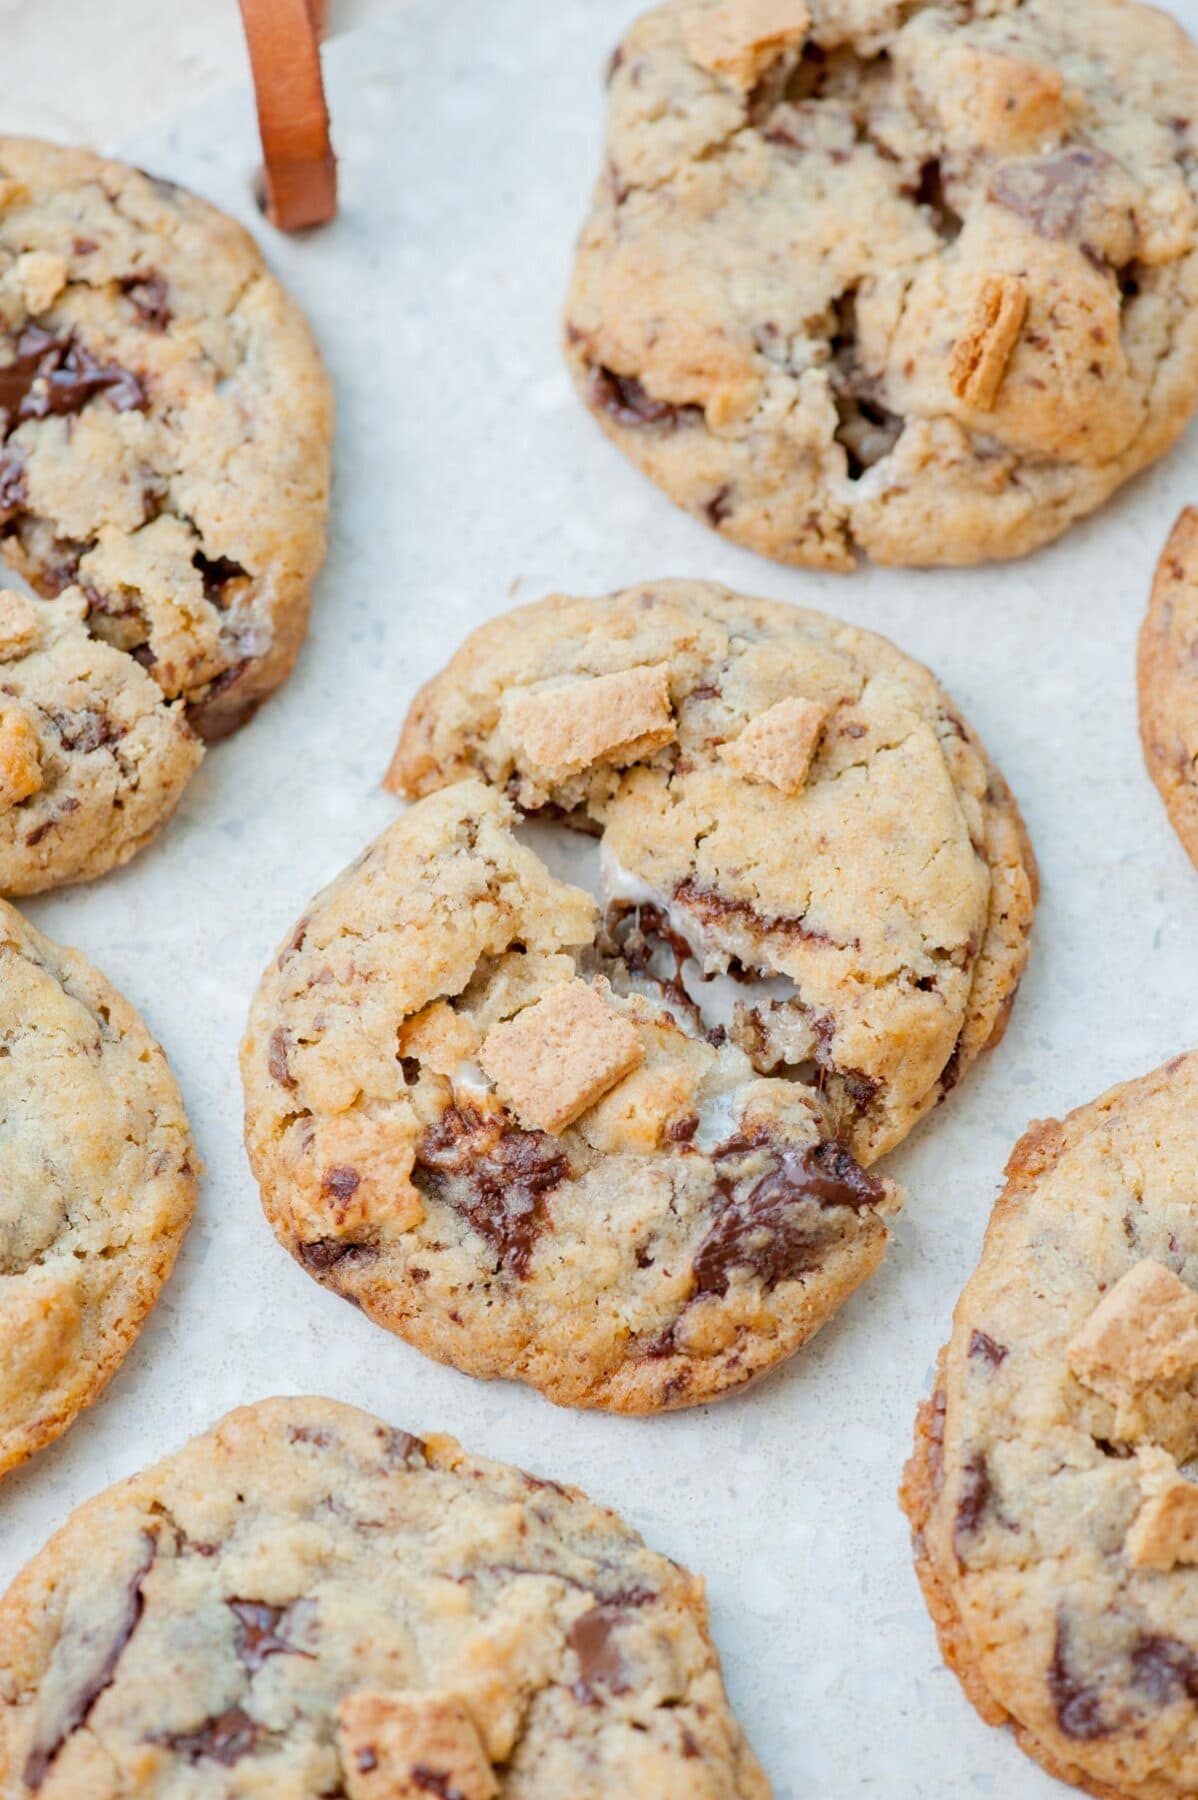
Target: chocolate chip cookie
(622, 1153)
(1055, 1529)
(97, 1184)
(164, 441)
(912, 281)
(1168, 680)
(306, 1602)
(93, 757)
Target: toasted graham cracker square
(778, 745)
(1144, 1332)
(554, 1059)
(980, 355)
(18, 624)
(739, 39)
(562, 730)
(20, 758)
(406, 1746)
(1165, 1530)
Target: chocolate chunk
(403, 1447)
(593, 1639)
(224, 1739)
(57, 376)
(773, 1230)
(85, 730)
(276, 1057)
(216, 572)
(257, 1635)
(974, 1498)
(1165, 1669)
(1078, 1706)
(323, 1254)
(148, 294)
(719, 506)
(1051, 192)
(983, 1346)
(77, 1646)
(625, 400)
(340, 1183)
(495, 1175)
(69, 805)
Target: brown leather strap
(300, 172)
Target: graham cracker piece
(18, 625)
(557, 1057)
(1142, 1333)
(779, 745)
(1165, 1530)
(562, 730)
(980, 354)
(406, 1746)
(739, 39)
(20, 758)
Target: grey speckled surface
(468, 474)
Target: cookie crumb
(980, 355)
(20, 759)
(779, 745)
(405, 1746)
(1144, 1331)
(562, 730)
(739, 39)
(1165, 1530)
(18, 625)
(557, 1057)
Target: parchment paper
(467, 476)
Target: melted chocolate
(224, 1739)
(257, 1635)
(594, 1640)
(323, 1254)
(276, 1057)
(626, 401)
(770, 1230)
(712, 908)
(497, 1176)
(148, 295)
(973, 1500)
(75, 1710)
(1051, 192)
(56, 376)
(982, 1346)
(1165, 1669)
(1078, 1706)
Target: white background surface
(467, 474)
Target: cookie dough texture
(911, 281)
(165, 425)
(97, 1184)
(1055, 1529)
(305, 1602)
(807, 970)
(1168, 680)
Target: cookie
(97, 1184)
(1056, 1536)
(306, 1602)
(914, 281)
(1168, 680)
(93, 757)
(165, 424)
(622, 1155)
